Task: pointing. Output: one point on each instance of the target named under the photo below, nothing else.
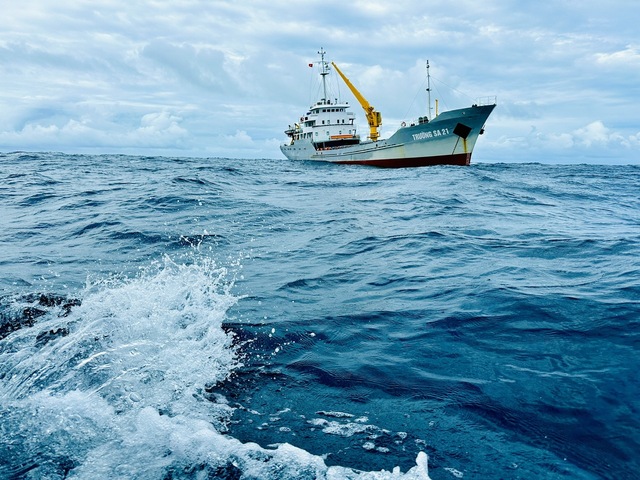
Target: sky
(225, 78)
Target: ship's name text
(432, 134)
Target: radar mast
(324, 71)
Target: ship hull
(460, 159)
(448, 139)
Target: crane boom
(374, 118)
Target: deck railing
(490, 100)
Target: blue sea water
(165, 318)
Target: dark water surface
(194, 318)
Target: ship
(328, 132)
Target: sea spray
(120, 385)
(135, 347)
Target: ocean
(188, 318)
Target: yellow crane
(374, 118)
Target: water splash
(121, 384)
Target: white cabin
(327, 124)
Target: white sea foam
(120, 391)
(335, 414)
(347, 429)
(454, 472)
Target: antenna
(428, 92)
(324, 72)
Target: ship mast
(428, 92)
(324, 72)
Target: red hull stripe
(457, 159)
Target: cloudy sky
(225, 78)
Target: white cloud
(240, 137)
(590, 142)
(629, 58)
(161, 123)
(596, 134)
